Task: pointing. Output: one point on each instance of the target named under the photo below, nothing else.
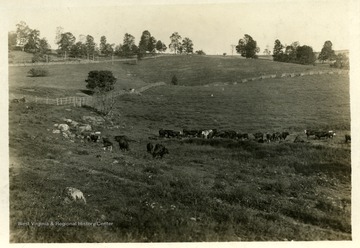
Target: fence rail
(76, 101)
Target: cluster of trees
(179, 45)
(27, 39)
(293, 53)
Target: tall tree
(44, 46)
(187, 45)
(152, 44)
(103, 44)
(291, 52)
(278, 50)
(22, 32)
(247, 47)
(90, 46)
(327, 53)
(129, 48)
(33, 41)
(175, 42)
(144, 42)
(159, 46)
(78, 50)
(67, 40)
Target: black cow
(284, 135)
(321, 134)
(192, 133)
(242, 136)
(107, 144)
(123, 142)
(150, 147)
(276, 136)
(159, 151)
(268, 137)
(309, 132)
(169, 133)
(347, 138)
(258, 135)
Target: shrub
(174, 80)
(102, 81)
(38, 72)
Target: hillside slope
(200, 70)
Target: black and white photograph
(179, 121)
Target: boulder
(63, 127)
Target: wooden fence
(91, 101)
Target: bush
(102, 81)
(174, 80)
(38, 72)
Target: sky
(213, 26)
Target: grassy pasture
(308, 102)
(217, 190)
(66, 80)
(199, 70)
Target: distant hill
(200, 70)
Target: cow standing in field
(347, 138)
(123, 142)
(150, 148)
(192, 133)
(284, 135)
(159, 151)
(309, 132)
(108, 145)
(206, 134)
(276, 136)
(242, 136)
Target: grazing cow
(230, 134)
(108, 145)
(309, 132)
(73, 195)
(347, 138)
(95, 137)
(160, 151)
(242, 136)
(321, 134)
(284, 135)
(258, 136)
(123, 142)
(268, 137)
(169, 133)
(191, 133)
(150, 147)
(276, 136)
(206, 133)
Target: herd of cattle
(159, 150)
(231, 134)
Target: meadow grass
(200, 70)
(204, 190)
